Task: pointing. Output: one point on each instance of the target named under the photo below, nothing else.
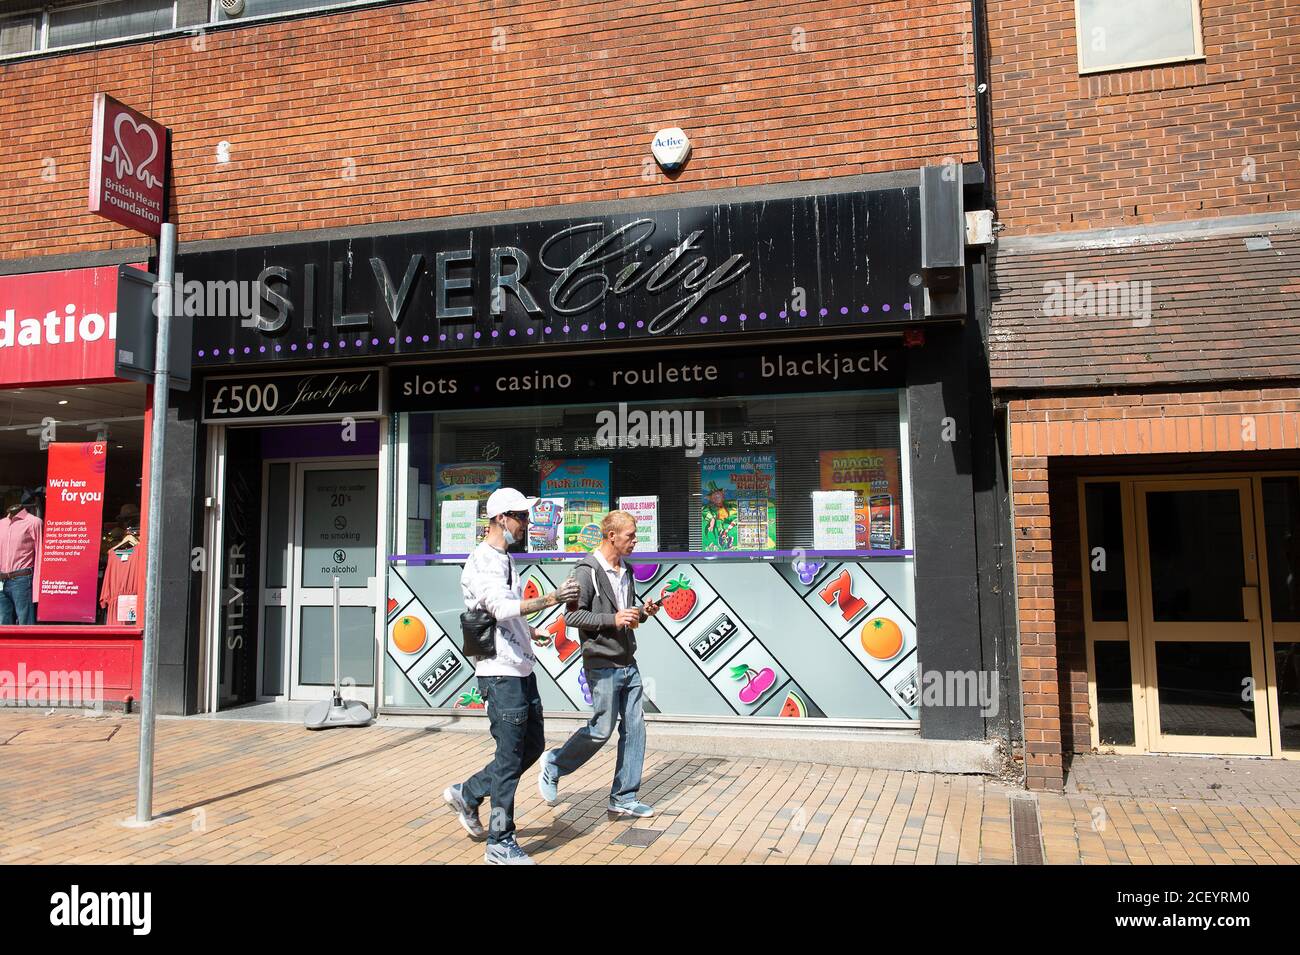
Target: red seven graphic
(842, 587)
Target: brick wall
(1153, 144)
(425, 109)
(1055, 440)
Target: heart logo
(124, 152)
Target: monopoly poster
(739, 502)
(875, 478)
(583, 483)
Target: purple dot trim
(496, 333)
(232, 351)
(325, 345)
(762, 316)
(844, 310)
(293, 348)
(442, 337)
(360, 343)
(566, 329)
(907, 306)
(546, 330)
(742, 316)
(261, 348)
(783, 313)
(602, 327)
(277, 347)
(408, 339)
(803, 313)
(374, 341)
(822, 313)
(585, 327)
(531, 329)
(639, 324)
(200, 352)
(478, 334)
(885, 307)
(865, 309)
(424, 338)
(460, 336)
(722, 318)
(310, 345)
(704, 319)
(513, 333)
(392, 341)
(621, 326)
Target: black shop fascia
(821, 267)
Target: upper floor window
(1118, 34)
(35, 26)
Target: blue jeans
(514, 711)
(615, 694)
(16, 602)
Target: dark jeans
(515, 714)
(16, 602)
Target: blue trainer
(632, 808)
(506, 852)
(548, 779)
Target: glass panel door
(1201, 617)
(337, 507)
(1280, 515)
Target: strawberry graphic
(678, 598)
(472, 700)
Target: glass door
(1201, 621)
(1278, 506)
(335, 535)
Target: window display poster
(546, 528)
(646, 512)
(873, 475)
(834, 520)
(74, 513)
(739, 502)
(467, 481)
(583, 483)
(459, 521)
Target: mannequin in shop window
(20, 561)
(119, 593)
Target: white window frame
(1138, 64)
(214, 22)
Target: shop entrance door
(335, 533)
(1203, 637)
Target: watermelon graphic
(794, 706)
(533, 590)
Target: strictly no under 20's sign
(128, 166)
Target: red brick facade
(415, 110)
(1152, 144)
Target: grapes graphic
(582, 685)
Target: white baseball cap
(506, 499)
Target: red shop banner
(74, 514)
(128, 166)
(58, 327)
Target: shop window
(19, 35)
(92, 23)
(1119, 34)
(70, 482)
(726, 475)
(772, 528)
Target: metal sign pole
(153, 545)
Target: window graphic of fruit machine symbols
(872, 627)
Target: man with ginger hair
(606, 613)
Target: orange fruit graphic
(409, 634)
(882, 638)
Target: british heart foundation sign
(128, 166)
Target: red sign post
(74, 514)
(128, 166)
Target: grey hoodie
(604, 646)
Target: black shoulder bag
(478, 627)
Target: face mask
(511, 540)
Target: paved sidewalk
(259, 792)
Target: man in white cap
(514, 708)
